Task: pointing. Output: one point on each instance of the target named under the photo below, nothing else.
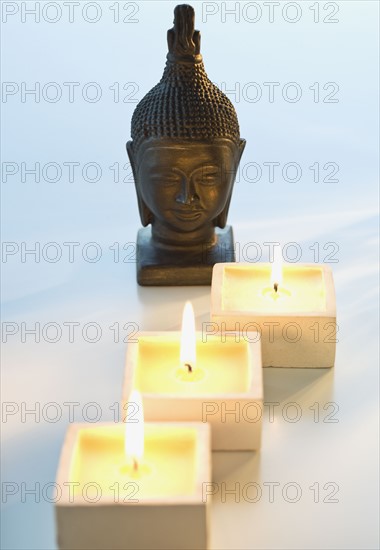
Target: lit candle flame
(134, 429)
(187, 352)
(276, 276)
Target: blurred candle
(292, 306)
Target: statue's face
(186, 185)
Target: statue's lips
(188, 215)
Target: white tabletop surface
(335, 452)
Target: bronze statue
(185, 152)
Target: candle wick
(275, 286)
(135, 464)
(189, 367)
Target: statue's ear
(146, 215)
(221, 220)
(241, 147)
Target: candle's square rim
(254, 391)
(218, 273)
(202, 457)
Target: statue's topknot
(185, 104)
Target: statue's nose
(187, 194)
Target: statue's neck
(169, 238)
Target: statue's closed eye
(165, 178)
(208, 175)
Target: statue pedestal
(181, 266)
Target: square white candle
(107, 505)
(225, 388)
(297, 325)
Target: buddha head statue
(186, 147)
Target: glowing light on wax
(276, 290)
(188, 338)
(134, 429)
(276, 275)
